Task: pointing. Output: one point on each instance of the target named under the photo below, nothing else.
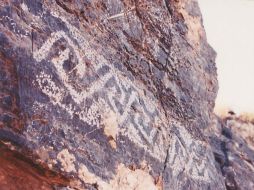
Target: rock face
(232, 141)
(111, 94)
(19, 172)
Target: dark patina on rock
(110, 94)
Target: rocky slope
(232, 141)
(106, 95)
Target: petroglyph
(120, 95)
(94, 89)
(183, 155)
(135, 115)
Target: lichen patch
(85, 175)
(67, 161)
(125, 179)
(111, 127)
(195, 28)
(24, 7)
(132, 179)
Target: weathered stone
(236, 160)
(110, 94)
(19, 172)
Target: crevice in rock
(166, 160)
(167, 4)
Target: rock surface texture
(232, 141)
(106, 95)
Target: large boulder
(111, 94)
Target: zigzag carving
(115, 97)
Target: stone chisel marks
(56, 94)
